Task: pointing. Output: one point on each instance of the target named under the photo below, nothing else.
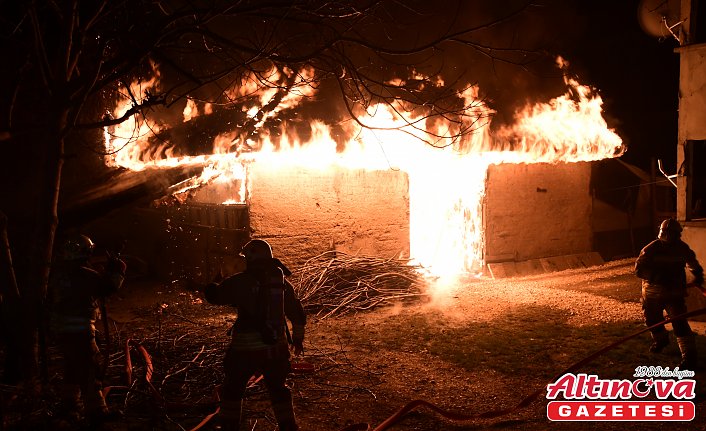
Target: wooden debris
(335, 283)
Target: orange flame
(446, 181)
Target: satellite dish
(659, 18)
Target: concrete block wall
(537, 210)
(694, 234)
(692, 92)
(304, 212)
(692, 114)
(530, 212)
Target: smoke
(511, 55)
(513, 58)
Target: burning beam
(121, 188)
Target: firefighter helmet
(77, 248)
(256, 249)
(669, 229)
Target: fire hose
(410, 406)
(525, 402)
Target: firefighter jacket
(661, 267)
(263, 299)
(76, 291)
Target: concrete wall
(692, 110)
(304, 212)
(692, 126)
(695, 235)
(537, 210)
(692, 91)
(530, 212)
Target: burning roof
(446, 158)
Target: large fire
(446, 179)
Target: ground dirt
(471, 347)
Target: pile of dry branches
(334, 283)
(165, 365)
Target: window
(698, 21)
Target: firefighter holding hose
(661, 266)
(76, 291)
(264, 299)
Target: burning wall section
(303, 212)
(529, 211)
(406, 183)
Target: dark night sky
(636, 75)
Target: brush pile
(334, 283)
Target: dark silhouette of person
(661, 266)
(264, 299)
(76, 289)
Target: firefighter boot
(687, 346)
(660, 340)
(284, 413)
(230, 414)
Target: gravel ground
(470, 346)
(609, 293)
(480, 345)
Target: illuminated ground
(492, 344)
(483, 346)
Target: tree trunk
(9, 303)
(8, 281)
(47, 223)
(33, 244)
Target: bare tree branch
(134, 109)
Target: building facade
(691, 145)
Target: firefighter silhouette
(661, 266)
(264, 299)
(76, 291)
